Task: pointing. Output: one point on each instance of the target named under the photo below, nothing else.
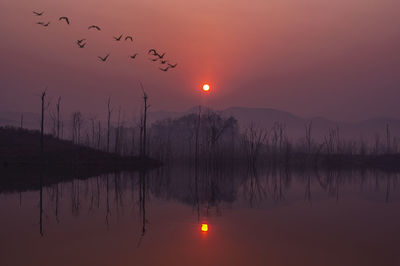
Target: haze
(338, 59)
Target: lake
(254, 217)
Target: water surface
(263, 217)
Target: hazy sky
(339, 59)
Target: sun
(204, 227)
(206, 87)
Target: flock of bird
(155, 56)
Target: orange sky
(338, 59)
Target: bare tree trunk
(108, 123)
(141, 136)
(41, 199)
(58, 117)
(144, 124)
(144, 121)
(387, 138)
(196, 156)
(117, 132)
(133, 142)
(22, 121)
(93, 120)
(99, 136)
(42, 123)
(79, 130)
(308, 136)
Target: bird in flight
(64, 18)
(82, 45)
(129, 37)
(172, 66)
(94, 27)
(43, 24)
(154, 59)
(164, 69)
(104, 58)
(133, 56)
(38, 13)
(163, 62)
(152, 51)
(118, 38)
(160, 56)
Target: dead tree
(99, 135)
(109, 111)
(254, 139)
(53, 119)
(93, 123)
(145, 107)
(58, 116)
(62, 129)
(141, 135)
(76, 127)
(308, 127)
(22, 121)
(42, 122)
(198, 124)
(117, 132)
(133, 142)
(388, 148)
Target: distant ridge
(261, 117)
(295, 125)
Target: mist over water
(210, 132)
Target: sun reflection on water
(204, 228)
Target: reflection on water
(250, 216)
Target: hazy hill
(261, 117)
(295, 125)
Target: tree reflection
(207, 190)
(107, 203)
(41, 205)
(142, 204)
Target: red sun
(204, 227)
(206, 87)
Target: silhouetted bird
(81, 45)
(172, 66)
(80, 41)
(103, 58)
(160, 56)
(164, 69)
(133, 56)
(94, 27)
(64, 18)
(154, 59)
(152, 51)
(118, 38)
(163, 61)
(43, 24)
(38, 13)
(129, 37)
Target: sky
(338, 59)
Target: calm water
(255, 218)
